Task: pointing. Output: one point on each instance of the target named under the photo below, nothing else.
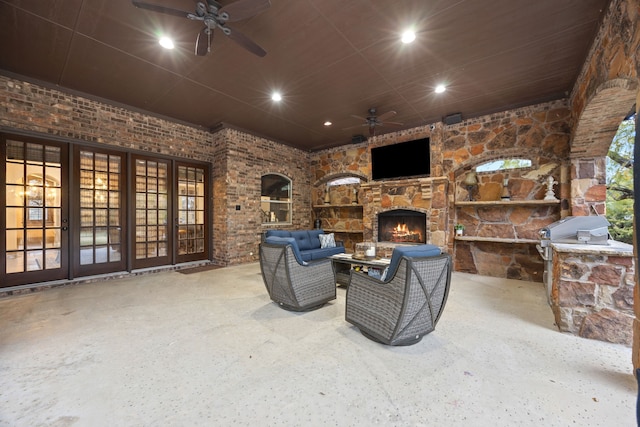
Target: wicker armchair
(292, 283)
(406, 306)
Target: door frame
(15, 279)
(69, 204)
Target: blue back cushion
(302, 239)
(275, 240)
(277, 233)
(313, 235)
(411, 252)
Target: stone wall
(539, 133)
(592, 292)
(604, 93)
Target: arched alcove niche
(338, 194)
(524, 183)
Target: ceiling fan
(214, 15)
(372, 120)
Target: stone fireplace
(425, 197)
(402, 226)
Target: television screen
(411, 158)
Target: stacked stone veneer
(592, 294)
(604, 93)
(427, 195)
(540, 133)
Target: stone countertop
(613, 248)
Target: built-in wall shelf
(351, 205)
(331, 230)
(496, 240)
(508, 203)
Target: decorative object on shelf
(327, 196)
(550, 194)
(354, 196)
(317, 224)
(505, 196)
(470, 182)
(459, 229)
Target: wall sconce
(470, 182)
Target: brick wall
(244, 159)
(238, 159)
(50, 112)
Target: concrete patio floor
(206, 349)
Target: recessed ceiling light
(328, 123)
(440, 88)
(166, 43)
(408, 36)
(275, 96)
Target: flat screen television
(411, 158)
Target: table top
(381, 262)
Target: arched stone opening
(594, 132)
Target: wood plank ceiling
(330, 59)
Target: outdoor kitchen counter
(613, 248)
(591, 291)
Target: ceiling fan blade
(393, 123)
(353, 127)
(203, 42)
(161, 9)
(359, 118)
(244, 41)
(386, 115)
(243, 9)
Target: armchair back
(292, 283)
(406, 307)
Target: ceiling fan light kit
(213, 16)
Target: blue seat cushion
(416, 251)
(325, 252)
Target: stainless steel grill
(583, 230)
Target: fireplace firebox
(402, 226)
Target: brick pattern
(238, 159)
(244, 158)
(50, 112)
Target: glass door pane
(101, 212)
(35, 232)
(192, 230)
(152, 237)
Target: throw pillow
(327, 240)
